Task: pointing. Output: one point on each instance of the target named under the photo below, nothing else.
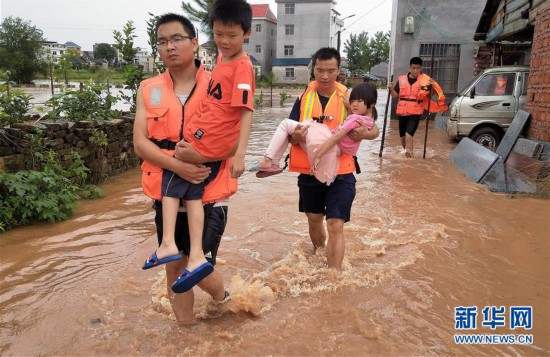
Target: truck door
(493, 101)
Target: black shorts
(215, 219)
(333, 201)
(175, 186)
(408, 124)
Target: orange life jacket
(164, 125)
(414, 99)
(335, 113)
(410, 97)
(435, 106)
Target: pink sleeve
(353, 120)
(350, 124)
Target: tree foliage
(200, 14)
(364, 52)
(125, 42)
(20, 49)
(66, 62)
(152, 39)
(105, 51)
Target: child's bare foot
(167, 250)
(265, 163)
(194, 264)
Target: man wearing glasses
(162, 102)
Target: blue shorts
(333, 201)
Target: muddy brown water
(422, 241)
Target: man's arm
(187, 153)
(299, 135)
(393, 89)
(237, 164)
(363, 132)
(151, 153)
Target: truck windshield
(466, 89)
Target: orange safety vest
(164, 124)
(414, 99)
(335, 113)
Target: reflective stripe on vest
(335, 113)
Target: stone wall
(62, 137)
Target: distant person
(500, 85)
(341, 78)
(323, 146)
(411, 89)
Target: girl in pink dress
(322, 146)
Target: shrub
(14, 105)
(283, 97)
(85, 104)
(258, 102)
(47, 195)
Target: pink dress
(347, 145)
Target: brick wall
(103, 161)
(538, 94)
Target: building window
(289, 9)
(271, 52)
(246, 40)
(446, 62)
(271, 32)
(289, 50)
(258, 27)
(289, 29)
(258, 49)
(289, 73)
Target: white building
(303, 26)
(262, 44)
(53, 50)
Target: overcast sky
(86, 22)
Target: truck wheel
(486, 136)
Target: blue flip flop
(154, 261)
(188, 279)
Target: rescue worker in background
(412, 89)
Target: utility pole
(340, 31)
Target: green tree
(152, 39)
(20, 49)
(125, 42)
(105, 51)
(66, 62)
(355, 49)
(200, 14)
(379, 48)
(363, 53)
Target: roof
(262, 10)
(71, 44)
(254, 61)
(209, 44)
(507, 69)
(291, 61)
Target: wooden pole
(429, 101)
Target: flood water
(423, 240)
